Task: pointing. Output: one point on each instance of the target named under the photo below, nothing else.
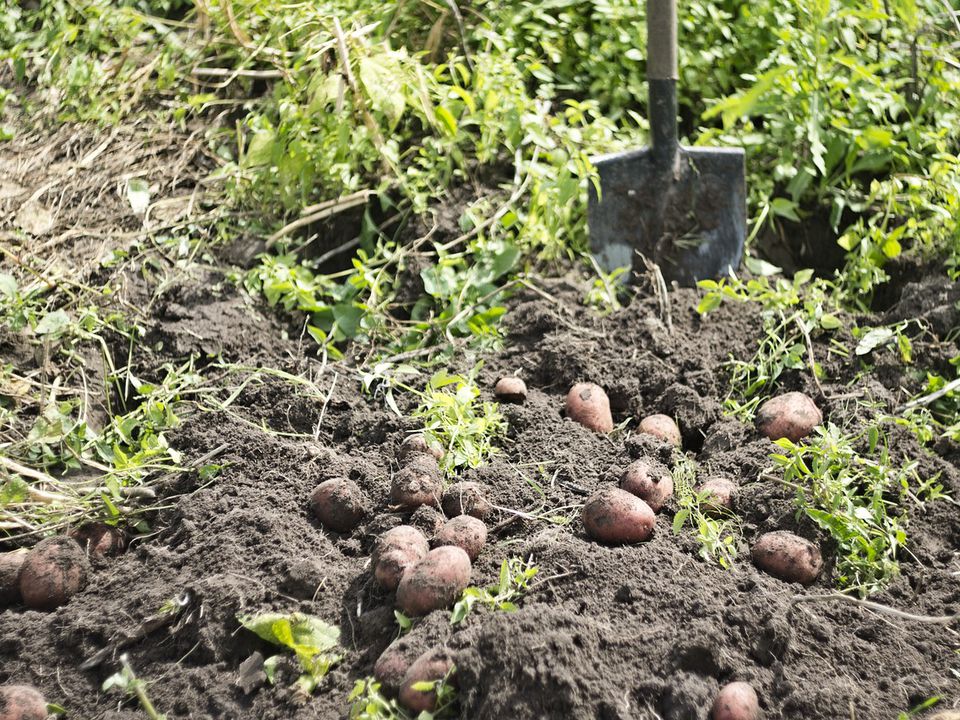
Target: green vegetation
(716, 529)
(515, 577)
(368, 703)
(127, 682)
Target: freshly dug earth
(606, 632)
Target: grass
(515, 577)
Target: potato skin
(589, 405)
(649, 481)
(721, 491)
(416, 484)
(510, 390)
(54, 570)
(396, 551)
(434, 582)
(22, 702)
(400, 537)
(10, 564)
(615, 516)
(339, 504)
(393, 664)
(792, 415)
(432, 665)
(736, 701)
(417, 444)
(464, 532)
(662, 427)
(787, 556)
(99, 539)
(465, 498)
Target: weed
(131, 685)
(717, 530)
(515, 577)
(368, 703)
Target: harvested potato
(54, 570)
(787, 556)
(339, 504)
(463, 531)
(510, 390)
(432, 666)
(418, 483)
(417, 444)
(10, 564)
(465, 498)
(99, 539)
(615, 516)
(434, 582)
(393, 664)
(396, 551)
(21, 702)
(720, 492)
(589, 405)
(648, 480)
(736, 701)
(792, 415)
(662, 427)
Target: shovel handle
(662, 77)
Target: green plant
(717, 530)
(368, 703)
(311, 639)
(455, 418)
(131, 685)
(515, 577)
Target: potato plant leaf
(310, 638)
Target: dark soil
(646, 631)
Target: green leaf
(52, 323)
(877, 337)
(785, 208)
(13, 490)
(260, 149)
(381, 77)
(347, 317)
(830, 322)
(449, 121)
(138, 195)
(8, 285)
(709, 303)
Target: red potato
(433, 665)
(649, 481)
(339, 504)
(21, 702)
(99, 539)
(720, 493)
(792, 416)
(662, 427)
(510, 390)
(736, 701)
(615, 516)
(393, 664)
(787, 556)
(54, 570)
(464, 532)
(465, 498)
(589, 405)
(417, 444)
(10, 564)
(417, 484)
(396, 551)
(434, 582)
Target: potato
(54, 570)
(417, 444)
(396, 551)
(22, 702)
(433, 665)
(339, 504)
(464, 532)
(434, 582)
(648, 480)
(10, 564)
(787, 556)
(720, 492)
(589, 405)
(510, 390)
(662, 427)
(417, 484)
(736, 701)
(393, 664)
(465, 498)
(792, 416)
(99, 539)
(615, 516)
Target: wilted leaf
(52, 323)
(138, 194)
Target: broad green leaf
(52, 323)
(381, 76)
(8, 285)
(877, 337)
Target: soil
(606, 633)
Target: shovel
(682, 208)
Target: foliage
(368, 703)
(127, 681)
(717, 530)
(454, 418)
(851, 487)
(311, 639)
(515, 577)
